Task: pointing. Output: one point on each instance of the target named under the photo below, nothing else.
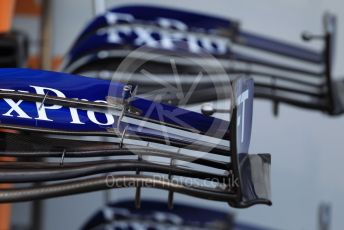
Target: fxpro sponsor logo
(163, 33)
(113, 18)
(152, 218)
(120, 218)
(16, 109)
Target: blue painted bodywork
(73, 86)
(111, 216)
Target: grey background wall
(307, 147)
